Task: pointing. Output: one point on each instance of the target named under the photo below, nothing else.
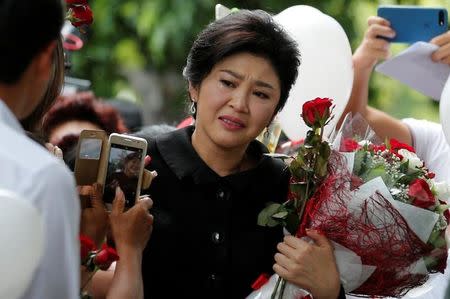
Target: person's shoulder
(24, 157)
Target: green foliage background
(155, 36)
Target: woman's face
(132, 167)
(236, 100)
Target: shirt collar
(177, 151)
(9, 119)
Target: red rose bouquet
(376, 203)
(404, 209)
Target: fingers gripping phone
(414, 23)
(125, 165)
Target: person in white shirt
(426, 137)
(29, 29)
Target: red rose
(316, 112)
(431, 175)
(397, 145)
(105, 257)
(76, 2)
(86, 246)
(376, 148)
(80, 15)
(350, 145)
(421, 194)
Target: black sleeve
(341, 293)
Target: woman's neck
(222, 160)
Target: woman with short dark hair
(214, 179)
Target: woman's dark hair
(245, 31)
(26, 28)
(33, 122)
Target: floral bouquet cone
(377, 203)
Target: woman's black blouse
(206, 242)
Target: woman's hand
(310, 266)
(131, 229)
(94, 218)
(373, 47)
(442, 54)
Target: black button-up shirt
(206, 242)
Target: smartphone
(124, 168)
(414, 23)
(91, 145)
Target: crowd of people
(198, 234)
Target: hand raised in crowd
(131, 229)
(94, 217)
(442, 54)
(373, 47)
(311, 266)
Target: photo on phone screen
(124, 165)
(88, 159)
(90, 148)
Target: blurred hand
(373, 48)
(310, 266)
(442, 54)
(94, 218)
(131, 229)
(54, 150)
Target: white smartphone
(125, 167)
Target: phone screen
(90, 148)
(124, 165)
(88, 160)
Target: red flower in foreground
(86, 246)
(421, 194)
(350, 145)
(105, 257)
(397, 145)
(80, 15)
(316, 112)
(376, 148)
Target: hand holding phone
(414, 23)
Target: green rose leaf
(265, 216)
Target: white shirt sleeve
(53, 193)
(431, 146)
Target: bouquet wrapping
(380, 207)
(398, 212)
